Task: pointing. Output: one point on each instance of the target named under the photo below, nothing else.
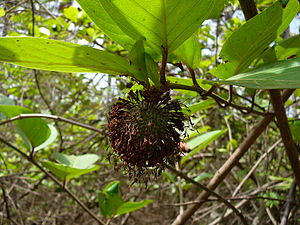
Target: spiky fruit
(144, 131)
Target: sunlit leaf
(251, 39)
(2, 12)
(279, 75)
(79, 162)
(137, 59)
(200, 142)
(66, 173)
(61, 56)
(190, 52)
(71, 13)
(163, 23)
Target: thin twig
(7, 206)
(33, 115)
(53, 178)
(219, 197)
(32, 17)
(289, 204)
(254, 167)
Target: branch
(33, 115)
(193, 75)
(221, 174)
(285, 132)
(55, 180)
(217, 98)
(249, 8)
(219, 197)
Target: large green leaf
(61, 56)
(200, 142)
(71, 166)
(34, 131)
(102, 19)
(66, 173)
(279, 75)
(251, 39)
(168, 22)
(190, 52)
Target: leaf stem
(163, 80)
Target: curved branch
(33, 115)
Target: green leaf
(188, 82)
(223, 70)
(168, 23)
(295, 130)
(137, 59)
(111, 203)
(152, 70)
(200, 142)
(132, 206)
(2, 12)
(71, 166)
(66, 173)
(5, 100)
(251, 39)
(34, 131)
(106, 23)
(79, 162)
(50, 140)
(217, 9)
(205, 104)
(279, 75)
(110, 199)
(190, 52)
(71, 13)
(61, 56)
(286, 48)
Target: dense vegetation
(95, 135)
